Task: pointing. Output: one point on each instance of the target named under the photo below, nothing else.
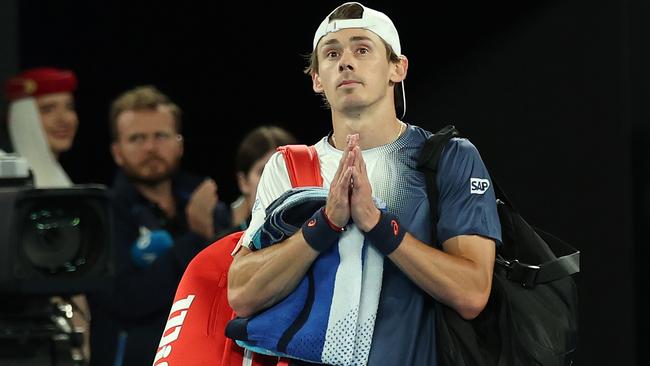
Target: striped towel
(330, 316)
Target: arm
(460, 276)
(259, 279)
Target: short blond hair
(146, 97)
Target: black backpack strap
(428, 164)
(531, 275)
(568, 261)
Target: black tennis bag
(531, 317)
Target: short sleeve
(467, 202)
(273, 182)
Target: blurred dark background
(553, 93)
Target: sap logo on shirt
(478, 185)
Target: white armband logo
(478, 185)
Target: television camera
(54, 243)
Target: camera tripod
(36, 331)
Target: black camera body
(54, 243)
(55, 240)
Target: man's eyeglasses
(140, 139)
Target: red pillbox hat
(39, 81)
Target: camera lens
(52, 240)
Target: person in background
(163, 216)
(42, 121)
(253, 152)
(41, 125)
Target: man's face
(59, 120)
(148, 147)
(353, 71)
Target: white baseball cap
(374, 21)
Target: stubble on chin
(151, 179)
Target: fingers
(344, 179)
(353, 140)
(208, 186)
(341, 181)
(362, 207)
(360, 162)
(200, 208)
(342, 162)
(206, 194)
(359, 173)
(352, 150)
(338, 200)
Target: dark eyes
(140, 138)
(47, 108)
(51, 107)
(359, 50)
(332, 54)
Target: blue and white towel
(330, 316)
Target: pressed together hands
(350, 194)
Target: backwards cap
(372, 20)
(40, 81)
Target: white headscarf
(29, 141)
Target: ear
(399, 70)
(316, 83)
(242, 183)
(116, 151)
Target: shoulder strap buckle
(524, 274)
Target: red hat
(39, 81)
